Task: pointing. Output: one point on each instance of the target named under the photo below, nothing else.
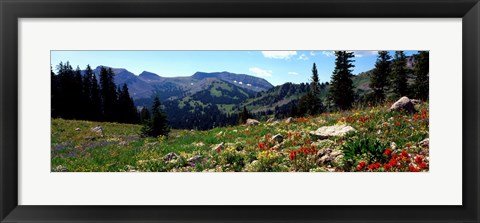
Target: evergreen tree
(244, 115)
(380, 74)
(54, 93)
(95, 98)
(87, 95)
(77, 97)
(399, 75)
(341, 86)
(421, 72)
(304, 104)
(314, 102)
(66, 91)
(144, 115)
(108, 93)
(127, 113)
(157, 124)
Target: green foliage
(380, 74)
(367, 149)
(341, 86)
(421, 72)
(126, 110)
(311, 103)
(399, 75)
(246, 148)
(108, 92)
(244, 115)
(157, 124)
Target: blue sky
(277, 67)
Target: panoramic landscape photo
(240, 111)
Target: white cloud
(328, 53)
(302, 57)
(313, 53)
(364, 53)
(284, 55)
(293, 73)
(357, 53)
(261, 72)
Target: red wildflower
(408, 145)
(392, 162)
(418, 159)
(423, 165)
(387, 152)
(361, 165)
(404, 154)
(413, 169)
(387, 166)
(261, 146)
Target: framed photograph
(261, 111)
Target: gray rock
(326, 132)
(424, 143)
(290, 120)
(328, 156)
(251, 122)
(195, 159)
(270, 120)
(97, 129)
(218, 147)
(90, 138)
(403, 104)
(77, 129)
(60, 168)
(416, 101)
(393, 146)
(170, 156)
(278, 138)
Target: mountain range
(144, 85)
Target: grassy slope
(121, 149)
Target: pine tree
(66, 91)
(157, 124)
(399, 75)
(86, 95)
(108, 93)
(54, 93)
(244, 115)
(341, 86)
(380, 74)
(314, 102)
(421, 72)
(144, 115)
(127, 113)
(95, 98)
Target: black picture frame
(12, 10)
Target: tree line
(390, 77)
(80, 95)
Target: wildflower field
(382, 141)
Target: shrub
(366, 149)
